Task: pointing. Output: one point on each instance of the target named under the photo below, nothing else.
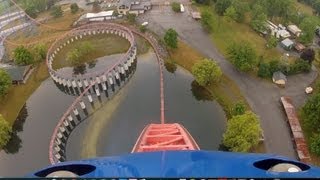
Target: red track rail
(164, 137)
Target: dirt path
(262, 96)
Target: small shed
(19, 74)
(196, 15)
(287, 43)
(294, 30)
(279, 78)
(299, 47)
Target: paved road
(262, 96)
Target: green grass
(103, 45)
(226, 31)
(11, 104)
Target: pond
(114, 128)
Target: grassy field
(103, 45)
(226, 92)
(11, 104)
(225, 32)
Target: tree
(222, 5)
(315, 144)
(131, 18)
(5, 132)
(206, 71)
(171, 38)
(22, 56)
(74, 8)
(264, 70)
(243, 132)
(75, 55)
(272, 42)
(258, 22)
(142, 28)
(238, 109)
(243, 56)
(308, 55)
(311, 111)
(206, 19)
(231, 13)
(39, 52)
(5, 82)
(56, 11)
(175, 6)
(308, 27)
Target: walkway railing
(300, 143)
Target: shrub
(311, 111)
(243, 56)
(5, 132)
(5, 82)
(206, 71)
(171, 38)
(315, 144)
(264, 70)
(175, 6)
(243, 132)
(74, 8)
(238, 109)
(22, 56)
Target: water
(115, 127)
(29, 149)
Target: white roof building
(294, 30)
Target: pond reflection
(14, 143)
(200, 93)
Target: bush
(175, 6)
(39, 52)
(206, 18)
(56, 11)
(243, 56)
(308, 55)
(315, 144)
(243, 132)
(206, 71)
(131, 18)
(264, 70)
(143, 28)
(74, 8)
(311, 111)
(171, 38)
(272, 42)
(299, 66)
(22, 56)
(5, 132)
(75, 55)
(5, 82)
(238, 109)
